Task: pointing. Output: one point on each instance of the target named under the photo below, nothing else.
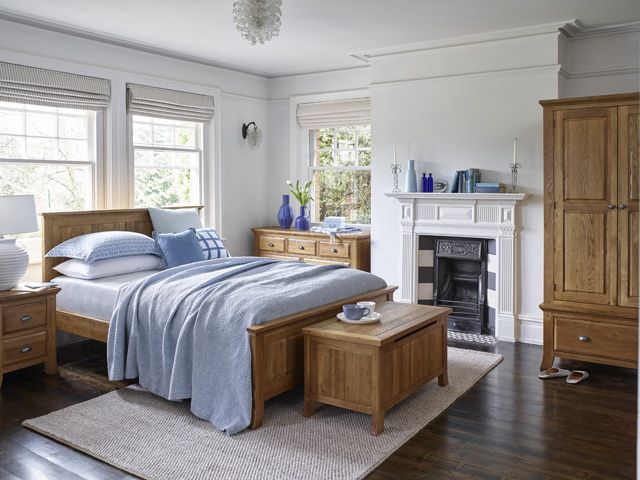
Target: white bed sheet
(93, 298)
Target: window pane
(158, 187)
(73, 127)
(346, 158)
(364, 158)
(185, 137)
(163, 135)
(324, 138)
(12, 122)
(346, 138)
(364, 137)
(42, 148)
(42, 124)
(73, 150)
(324, 159)
(346, 194)
(56, 187)
(142, 134)
(11, 147)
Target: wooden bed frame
(276, 346)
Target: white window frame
(312, 168)
(201, 143)
(299, 145)
(95, 139)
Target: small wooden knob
(270, 244)
(334, 250)
(301, 247)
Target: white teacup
(370, 305)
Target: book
(498, 188)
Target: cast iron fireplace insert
(460, 282)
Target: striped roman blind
(339, 113)
(171, 104)
(39, 86)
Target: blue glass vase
(411, 184)
(285, 214)
(302, 221)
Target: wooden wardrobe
(591, 223)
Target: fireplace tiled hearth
(489, 217)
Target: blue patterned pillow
(103, 245)
(211, 244)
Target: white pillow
(174, 221)
(107, 268)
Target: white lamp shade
(18, 214)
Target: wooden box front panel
(271, 244)
(605, 340)
(585, 226)
(301, 247)
(628, 195)
(412, 362)
(24, 348)
(342, 373)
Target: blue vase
(285, 214)
(430, 184)
(302, 221)
(411, 184)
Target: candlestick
(515, 151)
(395, 161)
(395, 170)
(515, 166)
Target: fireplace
(460, 282)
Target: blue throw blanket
(182, 331)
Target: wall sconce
(252, 134)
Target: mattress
(93, 298)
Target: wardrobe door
(585, 212)
(628, 194)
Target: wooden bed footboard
(277, 349)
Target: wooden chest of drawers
(353, 249)
(28, 330)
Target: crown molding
(578, 31)
(601, 72)
(533, 30)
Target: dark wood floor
(509, 426)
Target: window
(167, 159)
(50, 153)
(340, 166)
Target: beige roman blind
(39, 86)
(171, 104)
(339, 113)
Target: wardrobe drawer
(271, 244)
(24, 348)
(24, 316)
(596, 338)
(337, 250)
(301, 247)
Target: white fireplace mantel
(478, 215)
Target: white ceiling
(316, 35)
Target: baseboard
(529, 329)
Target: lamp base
(14, 261)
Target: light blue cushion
(103, 245)
(179, 248)
(211, 243)
(174, 221)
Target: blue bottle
(411, 184)
(430, 184)
(424, 183)
(285, 214)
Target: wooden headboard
(60, 226)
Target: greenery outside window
(167, 160)
(340, 165)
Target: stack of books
(489, 187)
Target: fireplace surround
(464, 215)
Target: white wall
(242, 99)
(603, 62)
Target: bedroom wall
(243, 99)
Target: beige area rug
(152, 438)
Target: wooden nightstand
(28, 333)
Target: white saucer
(373, 318)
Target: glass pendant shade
(258, 21)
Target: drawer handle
(622, 206)
(334, 250)
(584, 338)
(25, 318)
(270, 245)
(301, 247)
(611, 206)
(26, 349)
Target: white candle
(515, 151)
(395, 161)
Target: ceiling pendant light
(257, 20)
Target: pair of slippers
(572, 377)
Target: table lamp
(17, 215)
